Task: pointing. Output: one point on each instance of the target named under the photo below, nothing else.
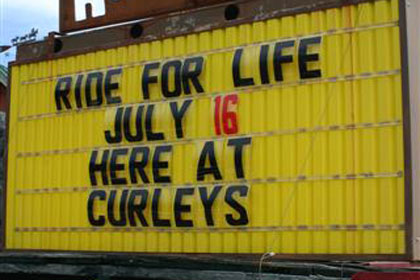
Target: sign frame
(48, 53)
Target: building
(3, 87)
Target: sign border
(45, 45)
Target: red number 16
(223, 110)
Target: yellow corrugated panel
(322, 173)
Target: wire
(264, 257)
(311, 147)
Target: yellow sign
(278, 136)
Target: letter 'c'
(100, 195)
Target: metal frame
(169, 26)
(208, 19)
(3, 199)
(406, 130)
(117, 11)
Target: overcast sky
(18, 17)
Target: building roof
(3, 75)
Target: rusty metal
(4, 48)
(167, 26)
(117, 11)
(408, 150)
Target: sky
(18, 17)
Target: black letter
(151, 136)
(208, 202)
(123, 202)
(239, 144)
(157, 164)
(176, 64)
(243, 215)
(102, 167)
(139, 165)
(137, 209)
(208, 151)
(110, 86)
(101, 219)
(240, 82)
(127, 131)
(192, 74)
(304, 58)
(98, 76)
(62, 93)
(179, 115)
(265, 78)
(180, 208)
(147, 79)
(280, 59)
(115, 167)
(78, 91)
(157, 222)
(117, 127)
